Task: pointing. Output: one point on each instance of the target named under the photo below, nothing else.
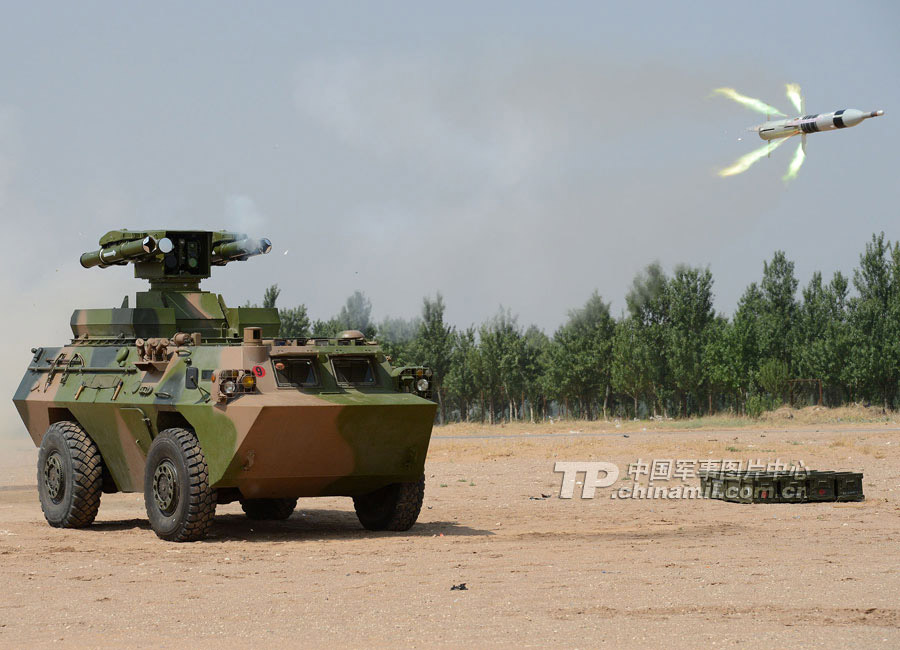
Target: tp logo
(592, 481)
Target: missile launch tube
(240, 249)
(129, 250)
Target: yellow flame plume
(793, 93)
(746, 161)
(749, 102)
(796, 163)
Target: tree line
(668, 354)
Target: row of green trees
(668, 354)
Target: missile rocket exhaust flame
(751, 103)
(746, 161)
(796, 163)
(793, 93)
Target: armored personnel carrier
(196, 403)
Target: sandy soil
(538, 571)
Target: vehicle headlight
(422, 385)
(248, 382)
(228, 388)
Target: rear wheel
(180, 503)
(272, 509)
(70, 476)
(393, 507)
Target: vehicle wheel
(393, 507)
(180, 503)
(70, 476)
(274, 509)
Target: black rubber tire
(69, 454)
(193, 501)
(393, 507)
(271, 509)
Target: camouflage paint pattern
(270, 441)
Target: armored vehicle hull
(194, 403)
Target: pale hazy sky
(516, 153)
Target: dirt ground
(538, 571)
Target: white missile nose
(876, 113)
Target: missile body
(806, 124)
(241, 249)
(134, 249)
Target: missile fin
(795, 95)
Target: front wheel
(180, 503)
(393, 507)
(70, 476)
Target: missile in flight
(806, 124)
(774, 132)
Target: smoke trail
(793, 93)
(749, 102)
(746, 161)
(795, 165)
(242, 215)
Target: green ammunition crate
(820, 486)
(791, 489)
(704, 484)
(716, 487)
(731, 488)
(711, 486)
(764, 488)
(747, 493)
(848, 486)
